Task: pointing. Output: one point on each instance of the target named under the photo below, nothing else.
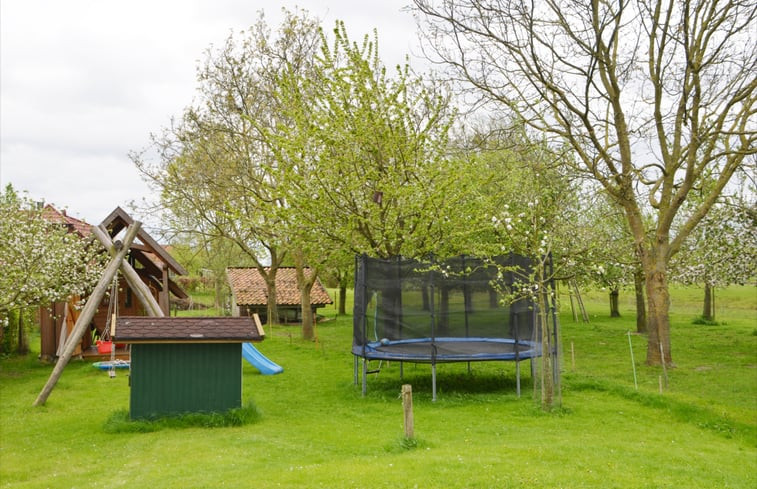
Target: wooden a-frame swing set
(118, 251)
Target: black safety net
(399, 300)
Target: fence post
(407, 407)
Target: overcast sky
(83, 82)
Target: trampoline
(431, 312)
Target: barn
(250, 296)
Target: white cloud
(83, 82)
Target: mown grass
(121, 422)
(316, 430)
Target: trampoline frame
(388, 350)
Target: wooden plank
(165, 303)
(132, 278)
(119, 219)
(155, 271)
(258, 324)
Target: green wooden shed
(181, 365)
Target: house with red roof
(250, 295)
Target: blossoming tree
(41, 261)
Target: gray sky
(83, 82)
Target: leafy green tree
(41, 262)
(534, 212)
(652, 97)
(363, 153)
(206, 260)
(215, 171)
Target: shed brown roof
(145, 329)
(249, 288)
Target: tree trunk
(425, 298)
(658, 295)
(23, 338)
(218, 290)
(443, 317)
(708, 311)
(548, 357)
(308, 318)
(641, 307)
(3, 317)
(342, 300)
(272, 308)
(305, 283)
(614, 309)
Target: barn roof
(225, 329)
(249, 289)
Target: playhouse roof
(145, 329)
(249, 289)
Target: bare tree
(651, 96)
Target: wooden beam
(132, 278)
(119, 218)
(155, 272)
(88, 312)
(165, 300)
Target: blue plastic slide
(260, 361)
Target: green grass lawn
(317, 431)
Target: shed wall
(174, 378)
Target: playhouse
(185, 364)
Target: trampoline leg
(355, 369)
(365, 375)
(433, 382)
(402, 371)
(533, 370)
(517, 377)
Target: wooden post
(572, 357)
(88, 312)
(572, 306)
(165, 301)
(132, 278)
(633, 362)
(407, 408)
(664, 368)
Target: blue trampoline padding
(449, 349)
(108, 365)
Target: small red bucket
(104, 346)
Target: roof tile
(133, 329)
(249, 287)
